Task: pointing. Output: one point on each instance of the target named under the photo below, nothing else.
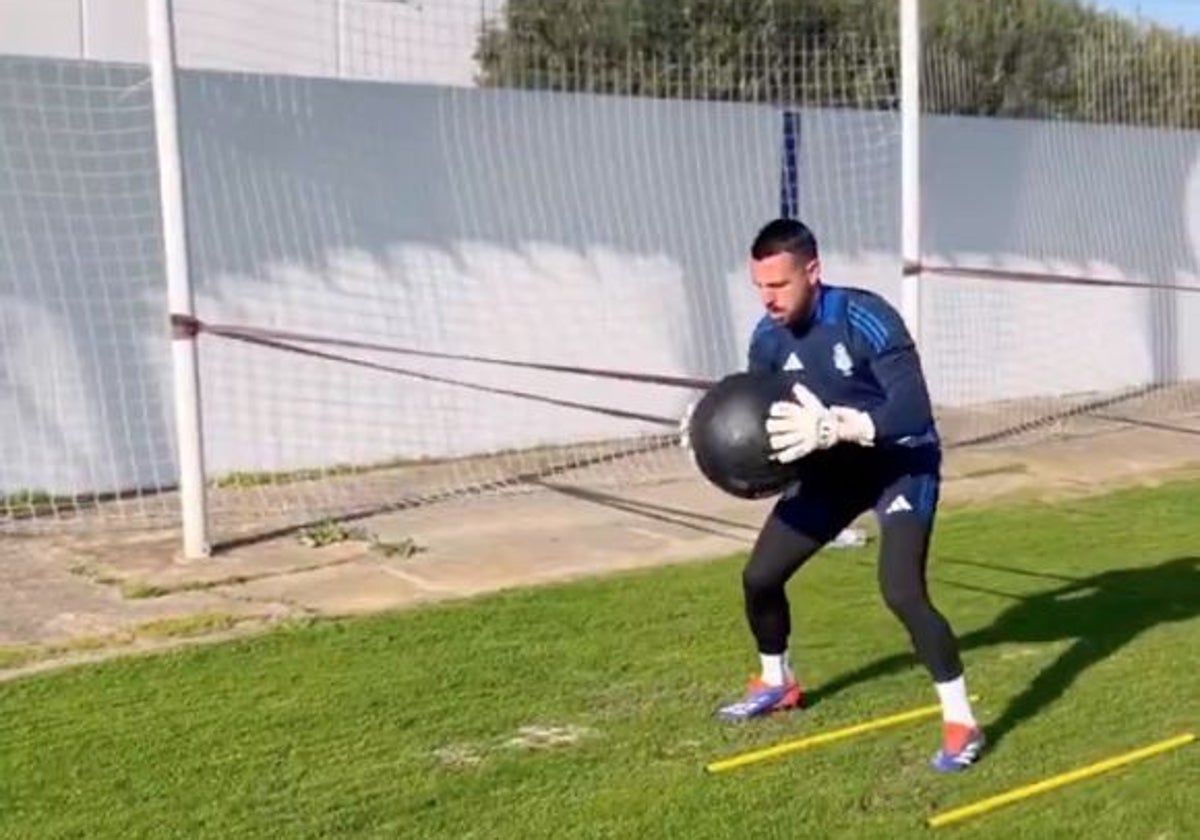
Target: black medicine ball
(728, 435)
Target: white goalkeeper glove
(684, 436)
(795, 429)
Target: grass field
(585, 710)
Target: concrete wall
(1101, 201)
(583, 230)
(84, 402)
(432, 41)
(588, 230)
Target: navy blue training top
(855, 351)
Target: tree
(709, 49)
(1019, 58)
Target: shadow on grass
(1098, 614)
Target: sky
(1176, 13)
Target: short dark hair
(782, 235)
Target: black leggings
(781, 550)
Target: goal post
(185, 369)
(910, 164)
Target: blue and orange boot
(762, 699)
(961, 746)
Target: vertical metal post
(910, 165)
(184, 358)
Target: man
(862, 431)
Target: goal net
(84, 393)
(365, 179)
(1061, 228)
(453, 247)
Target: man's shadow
(1099, 614)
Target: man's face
(785, 285)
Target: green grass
(585, 710)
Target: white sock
(775, 668)
(956, 708)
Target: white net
(1062, 225)
(581, 205)
(363, 177)
(569, 183)
(84, 397)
